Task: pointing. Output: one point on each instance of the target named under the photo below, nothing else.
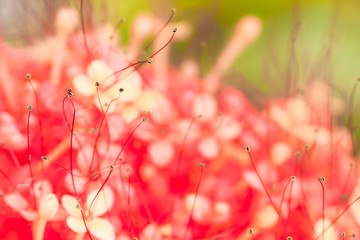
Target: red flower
(112, 149)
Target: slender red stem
(118, 156)
(102, 186)
(29, 155)
(321, 180)
(71, 137)
(337, 217)
(181, 153)
(179, 159)
(84, 220)
(262, 183)
(347, 180)
(281, 202)
(100, 126)
(158, 32)
(28, 77)
(193, 206)
(137, 64)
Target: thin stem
(337, 217)
(193, 206)
(71, 138)
(321, 180)
(137, 64)
(262, 183)
(87, 230)
(100, 126)
(29, 155)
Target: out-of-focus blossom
(114, 147)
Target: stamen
(29, 155)
(116, 159)
(321, 180)
(346, 183)
(251, 233)
(121, 21)
(338, 217)
(138, 64)
(100, 126)
(138, 35)
(71, 127)
(291, 179)
(262, 183)
(83, 218)
(202, 165)
(28, 77)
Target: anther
(343, 235)
(29, 107)
(69, 93)
(149, 60)
(175, 30)
(145, 119)
(289, 238)
(292, 178)
(173, 10)
(250, 231)
(297, 154)
(44, 158)
(97, 84)
(307, 146)
(247, 149)
(28, 76)
(111, 167)
(202, 165)
(121, 90)
(321, 179)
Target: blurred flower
(138, 149)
